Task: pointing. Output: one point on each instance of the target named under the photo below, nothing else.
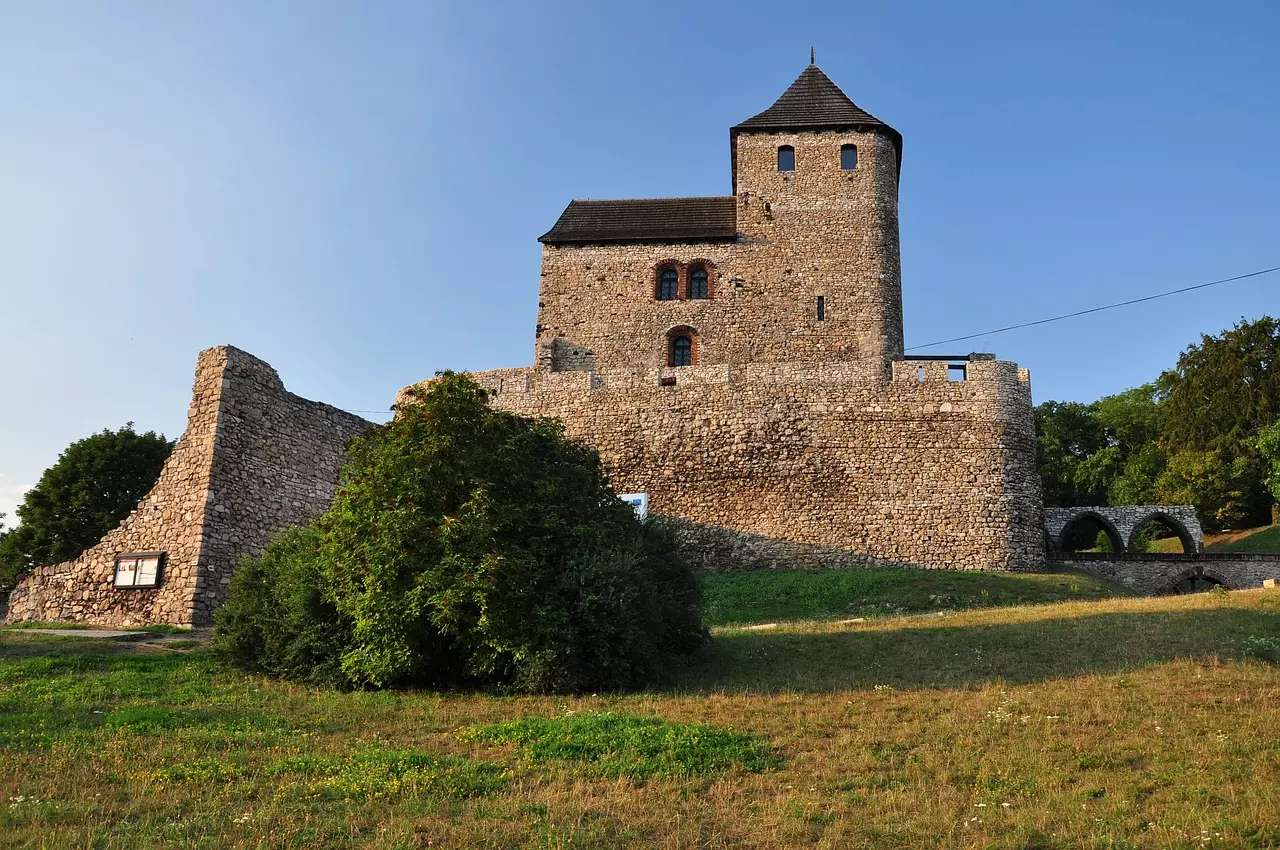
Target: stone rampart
(1151, 573)
(254, 459)
(807, 465)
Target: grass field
(1262, 541)
(740, 598)
(1114, 722)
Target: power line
(1095, 309)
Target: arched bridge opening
(1151, 549)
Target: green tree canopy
(86, 493)
(1224, 390)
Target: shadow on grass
(938, 656)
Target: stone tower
(816, 179)
(799, 265)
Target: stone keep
(797, 435)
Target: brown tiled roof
(813, 102)
(646, 220)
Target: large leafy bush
(470, 546)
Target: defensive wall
(254, 459)
(793, 465)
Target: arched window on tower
(680, 348)
(848, 157)
(668, 284)
(699, 281)
(786, 158)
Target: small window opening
(822, 308)
(920, 374)
(848, 157)
(681, 351)
(669, 381)
(786, 158)
(668, 284)
(956, 371)
(698, 282)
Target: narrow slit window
(848, 157)
(822, 308)
(786, 158)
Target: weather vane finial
(811, 59)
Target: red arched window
(682, 347)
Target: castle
(737, 359)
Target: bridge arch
(1124, 520)
(1170, 522)
(1062, 542)
(1194, 580)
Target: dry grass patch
(1116, 723)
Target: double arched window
(668, 283)
(678, 280)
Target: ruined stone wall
(807, 465)
(254, 459)
(816, 231)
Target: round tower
(816, 183)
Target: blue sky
(353, 191)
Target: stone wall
(253, 460)
(805, 465)
(1151, 574)
(815, 231)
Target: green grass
(1108, 723)
(774, 596)
(1263, 541)
(614, 745)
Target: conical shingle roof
(813, 102)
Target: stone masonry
(799, 436)
(253, 460)
(1122, 522)
(810, 465)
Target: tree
(93, 485)
(1222, 489)
(1269, 449)
(1100, 453)
(1218, 398)
(470, 546)
(1068, 433)
(1224, 390)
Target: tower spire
(812, 61)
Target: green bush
(277, 618)
(469, 546)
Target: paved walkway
(156, 637)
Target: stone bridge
(1155, 574)
(1121, 523)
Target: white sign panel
(639, 503)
